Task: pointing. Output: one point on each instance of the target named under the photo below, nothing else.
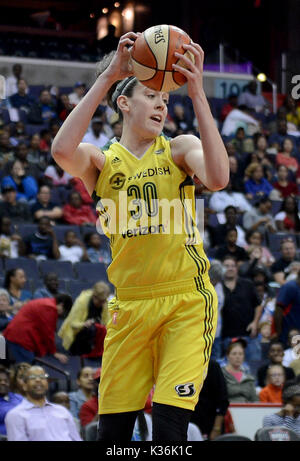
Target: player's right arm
(80, 159)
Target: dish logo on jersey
(185, 390)
(117, 180)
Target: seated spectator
(37, 321)
(240, 385)
(43, 243)
(44, 207)
(222, 199)
(239, 117)
(285, 156)
(57, 175)
(251, 99)
(284, 187)
(12, 80)
(281, 268)
(276, 139)
(256, 186)
(64, 107)
(287, 219)
(231, 217)
(42, 111)
(289, 415)
(85, 391)
(79, 91)
(243, 144)
(79, 187)
(264, 341)
(45, 141)
(62, 398)
(26, 186)
(88, 412)
(84, 330)
(181, 120)
(18, 373)
(21, 99)
(293, 112)
(231, 248)
(17, 211)
(75, 212)
(261, 145)
(11, 244)
(14, 283)
(96, 135)
(260, 217)
(275, 357)
(50, 288)
(35, 155)
(272, 392)
(8, 400)
(73, 249)
(6, 314)
(229, 106)
(31, 420)
(96, 253)
(256, 250)
(6, 149)
(235, 176)
(19, 134)
(290, 353)
(30, 169)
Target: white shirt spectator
(57, 180)
(72, 254)
(92, 139)
(289, 356)
(235, 119)
(222, 199)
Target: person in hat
(78, 92)
(96, 134)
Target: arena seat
(29, 266)
(63, 269)
(275, 239)
(91, 272)
(61, 229)
(26, 229)
(75, 287)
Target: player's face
(148, 110)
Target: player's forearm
(215, 155)
(75, 126)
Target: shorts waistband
(160, 289)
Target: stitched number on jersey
(149, 196)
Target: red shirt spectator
(75, 212)
(88, 411)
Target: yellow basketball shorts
(163, 341)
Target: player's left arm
(207, 159)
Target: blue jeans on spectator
(216, 352)
(19, 353)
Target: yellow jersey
(146, 206)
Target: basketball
(152, 56)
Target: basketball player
(163, 318)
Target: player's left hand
(192, 71)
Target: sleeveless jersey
(146, 207)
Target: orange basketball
(152, 56)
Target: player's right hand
(120, 66)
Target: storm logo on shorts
(185, 390)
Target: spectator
(239, 117)
(293, 112)
(6, 314)
(285, 157)
(17, 381)
(256, 250)
(251, 99)
(213, 403)
(287, 312)
(8, 400)
(37, 321)
(291, 354)
(26, 186)
(96, 253)
(14, 283)
(264, 329)
(75, 212)
(6, 149)
(240, 385)
(19, 134)
(78, 92)
(43, 206)
(84, 328)
(216, 278)
(260, 218)
(64, 107)
(231, 217)
(272, 392)
(36, 419)
(181, 120)
(96, 136)
(50, 288)
(45, 141)
(276, 139)
(284, 187)
(261, 145)
(57, 175)
(222, 199)
(42, 111)
(12, 80)
(229, 106)
(287, 220)
(231, 248)
(282, 267)
(275, 357)
(235, 175)
(35, 155)
(88, 412)
(109, 42)
(73, 249)
(11, 244)
(30, 169)
(21, 99)
(43, 243)
(243, 145)
(85, 383)
(289, 415)
(17, 211)
(62, 398)
(242, 308)
(256, 186)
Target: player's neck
(137, 145)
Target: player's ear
(122, 102)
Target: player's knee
(170, 423)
